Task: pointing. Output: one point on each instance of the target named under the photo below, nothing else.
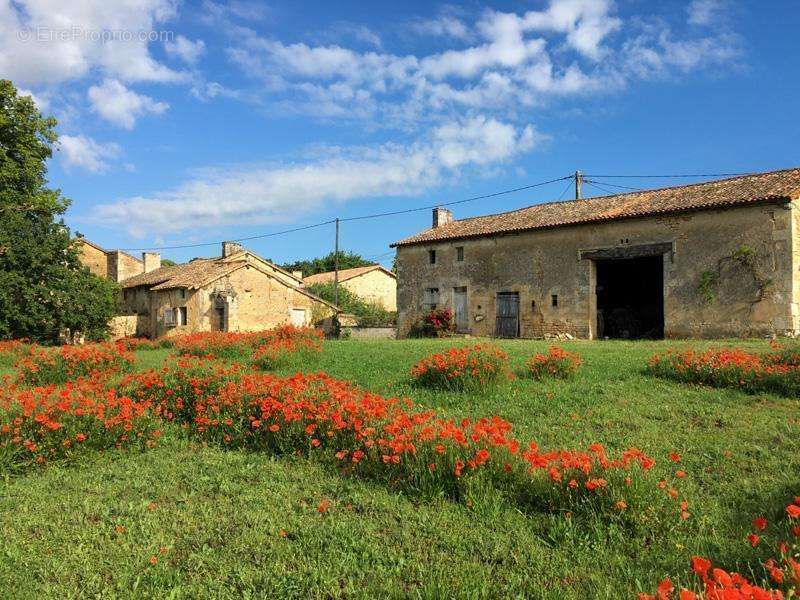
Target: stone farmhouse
(237, 291)
(372, 283)
(714, 259)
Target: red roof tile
(782, 186)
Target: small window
(460, 253)
(554, 299)
(183, 293)
(432, 256)
(175, 317)
(431, 299)
(181, 315)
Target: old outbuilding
(372, 283)
(237, 291)
(714, 259)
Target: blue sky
(192, 122)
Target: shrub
(44, 366)
(50, 423)
(556, 363)
(728, 368)
(469, 367)
(438, 323)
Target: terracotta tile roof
(344, 274)
(201, 271)
(187, 275)
(747, 189)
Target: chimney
(298, 274)
(441, 216)
(229, 248)
(151, 260)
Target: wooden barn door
(460, 309)
(507, 315)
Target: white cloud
(445, 25)
(185, 49)
(121, 106)
(41, 101)
(513, 61)
(705, 12)
(85, 153)
(282, 192)
(50, 41)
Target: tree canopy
(347, 260)
(44, 288)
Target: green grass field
(235, 524)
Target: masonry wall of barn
(732, 272)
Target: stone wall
(375, 286)
(124, 326)
(251, 300)
(93, 258)
(369, 333)
(755, 299)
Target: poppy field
(280, 465)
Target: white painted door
(299, 317)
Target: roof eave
(717, 206)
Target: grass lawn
(236, 524)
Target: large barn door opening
(507, 324)
(630, 297)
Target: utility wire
(592, 183)
(422, 208)
(411, 210)
(569, 185)
(623, 187)
(244, 239)
(359, 218)
(664, 176)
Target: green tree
(43, 286)
(347, 260)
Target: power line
(244, 239)
(571, 178)
(664, 176)
(594, 184)
(432, 206)
(623, 187)
(569, 185)
(359, 218)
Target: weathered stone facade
(733, 271)
(111, 264)
(375, 286)
(372, 283)
(237, 292)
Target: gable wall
(95, 260)
(375, 286)
(542, 263)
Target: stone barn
(715, 259)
